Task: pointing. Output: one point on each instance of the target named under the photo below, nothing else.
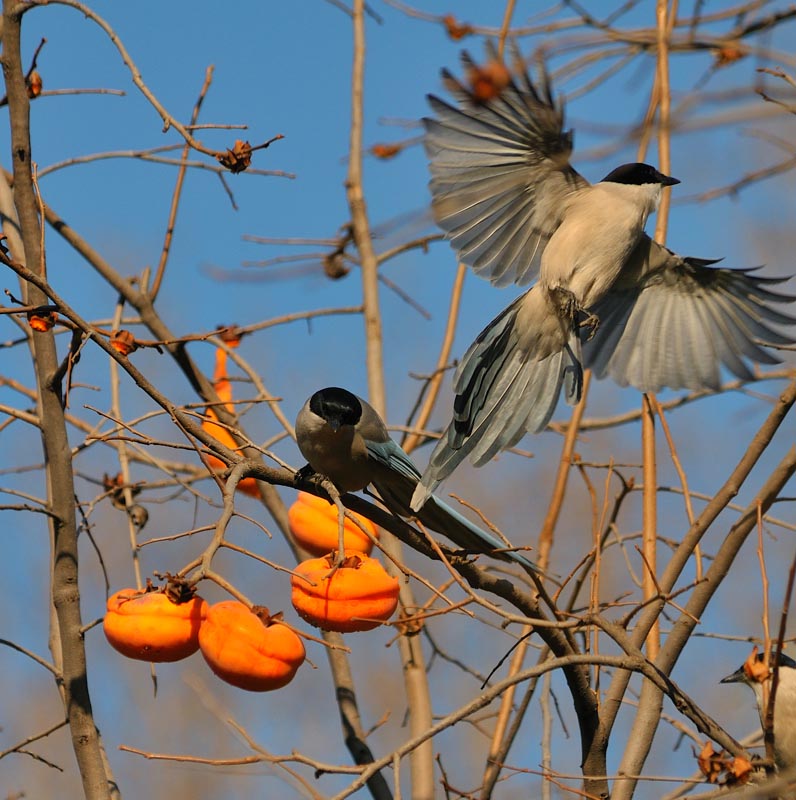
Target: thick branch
(67, 639)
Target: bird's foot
(572, 310)
(461, 555)
(590, 321)
(303, 474)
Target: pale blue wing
(500, 174)
(675, 322)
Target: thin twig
(175, 198)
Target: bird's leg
(303, 474)
(340, 533)
(570, 308)
(307, 472)
(331, 489)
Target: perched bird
(343, 438)
(607, 297)
(754, 674)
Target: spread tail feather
(440, 517)
(395, 491)
(508, 383)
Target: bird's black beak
(666, 180)
(334, 424)
(739, 676)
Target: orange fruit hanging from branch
(358, 596)
(151, 626)
(248, 652)
(223, 389)
(313, 521)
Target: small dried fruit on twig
(230, 335)
(488, 80)
(138, 515)
(123, 342)
(34, 84)
(42, 319)
(238, 159)
(756, 669)
(727, 54)
(456, 30)
(739, 771)
(334, 266)
(385, 151)
(711, 763)
(116, 486)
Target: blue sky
(285, 68)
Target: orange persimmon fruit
(246, 651)
(151, 626)
(224, 390)
(357, 596)
(313, 521)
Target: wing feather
(673, 322)
(500, 173)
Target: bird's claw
(462, 555)
(591, 321)
(303, 474)
(572, 310)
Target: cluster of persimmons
(248, 647)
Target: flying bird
(343, 438)
(608, 297)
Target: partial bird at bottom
(754, 674)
